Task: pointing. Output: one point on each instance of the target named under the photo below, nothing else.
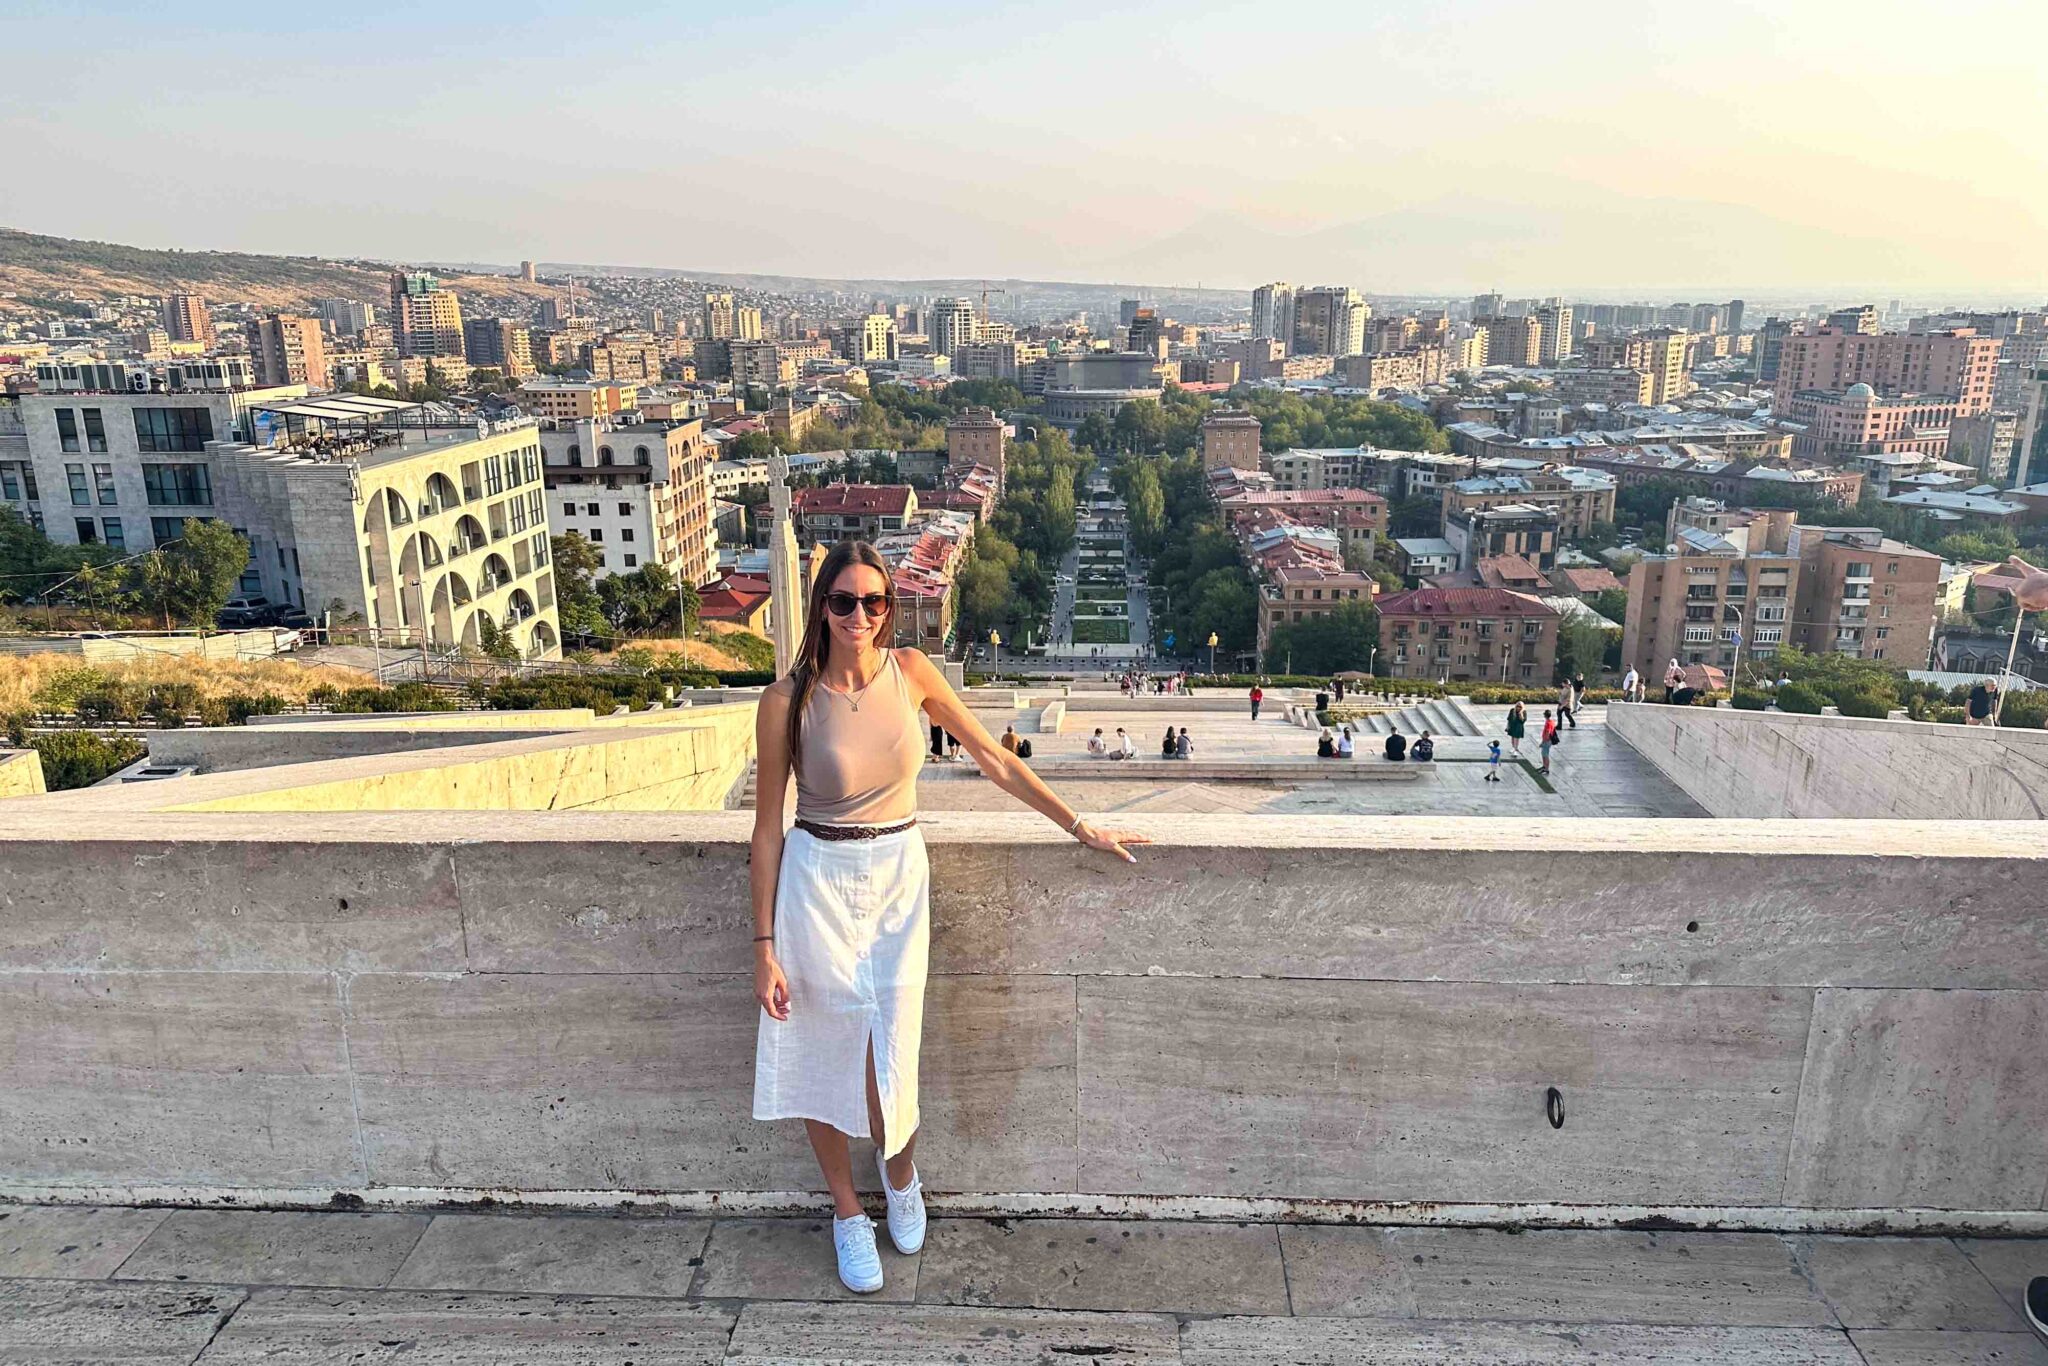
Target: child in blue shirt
(1493, 761)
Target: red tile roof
(1587, 580)
(886, 500)
(1462, 602)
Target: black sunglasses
(842, 603)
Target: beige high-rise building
(746, 323)
(718, 317)
(640, 493)
(873, 338)
(1730, 572)
(762, 363)
(426, 320)
(1230, 440)
(1556, 320)
(1512, 340)
(1863, 594)
(287, 349)
(952, 325)
(1273, 312)
(977, 437)
(1658, 353)
(186, 319)
(623, 360)
(528, 273)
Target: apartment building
(952, 325)
(1329, 320)
(1838, 425)
(1580, 497)
(125, 469)
(426, 533)
(977, 436)
(1618, 388)
(1304, 593)
(568, 400)
(1230, 439)
(286, 349)
(639, 492)
(1476, 635)
(186, 319)
(1956, 362)
(1409, 369)
(1730, 573)
(1010, 360)
(872, 338)
(1480, 533)
(762, 363)
(838, 512)
(623, 361)
(426, 320)
(1512, 341)
(500, 344)
(720, 317)
(1658, 353)
(1273, 313)
(1863, 594)
(1558, 341)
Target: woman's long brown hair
(817, 641)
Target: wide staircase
(1438, 716)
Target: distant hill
(41, 268)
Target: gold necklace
(855, 697)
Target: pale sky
(1818, 147)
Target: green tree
(498, 643)
(749, 446)
(31, 562)
(1326, 644)
(1581, 647)
(576, 564)
(190, 579)
(1420, 514)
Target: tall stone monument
(785, 585)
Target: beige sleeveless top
(861, 755)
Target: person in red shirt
(1258, 696)
(1549, 739)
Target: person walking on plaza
(1548, 742)
(1631, 685)
(842, 902)
(1578, 696)
(1518, 726)
(1258, 696)
(1674, 679)
(1565, 697)
(1493, 761)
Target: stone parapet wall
(1349, 1021)
(1774, 764)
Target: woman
(1326, 745)
(1345, 748)
(1674, 679)
(1166, 745)
(841, 904)
(1518, 726)
(1549, 741)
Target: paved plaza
(147, 1287)
(1593, 774)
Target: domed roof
(1861, 391)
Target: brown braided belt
(853, 832)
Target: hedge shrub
(1752, 701)
(77, 759)
(1862, 702)
(1800, 699)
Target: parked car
(243, 612)
(296, 618)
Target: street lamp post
(1735, 669)
(995, 645)
(1212, 654)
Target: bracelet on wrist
(764, 939)
(1073, 828)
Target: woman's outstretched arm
(771, 792)
(1003, 768)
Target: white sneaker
(860, 1262)
(906, 1209)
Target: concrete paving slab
(256, 1247)
(433, 1328)
(1882, 1347)
(1886, 1118)
(1394, 1342)
(93, 1323)
(557, 1255)
(2008, 1263)
(1104, 1264)
(1598, 1276)
(70, 1242)
(1904, 1283)
(914, 1335)
(218, 1079)
(1288, 1088)
(793, 1259)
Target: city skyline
(1622, 148)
